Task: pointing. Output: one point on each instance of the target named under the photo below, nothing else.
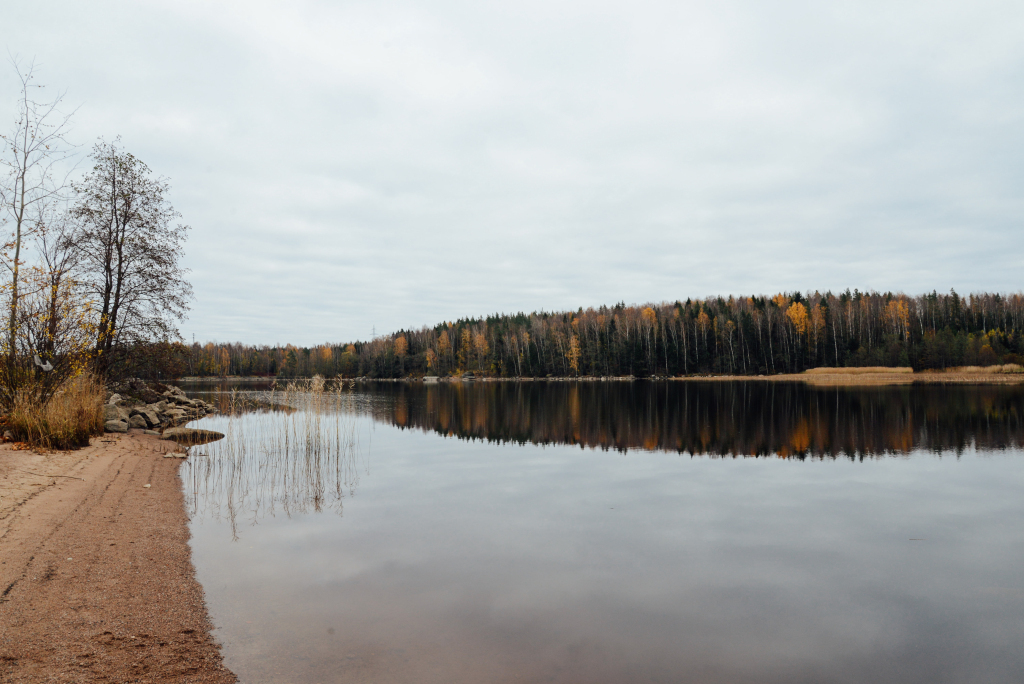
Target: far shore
(825, 377)
(822, 378)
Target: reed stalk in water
(290, 450)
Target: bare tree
(55, 317)
(130, 248)
(59, 258)
(33, 153)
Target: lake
(614, 532)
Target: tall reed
(291, 450)
(73, 414)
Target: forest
(785, 333)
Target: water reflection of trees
(290, 451)
(738, 419)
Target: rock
(149, 396)
(148, 414)
(111, 412)
(151, 432)
(172, 415)
(176, 415)
(137, 421)
(191, 435)
(114, 398)
(115, 426)
(175, 392)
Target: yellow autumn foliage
(797, 315)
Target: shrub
(71, 416)
(858, 370)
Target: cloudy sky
(351, 166)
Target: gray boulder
(137, 421)
(148, 414)
(111, 412)
(175, 392)
(115, 426)
(176, 414)
(114, 398)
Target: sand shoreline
(96, 576)
(818, 377)
(825, 379)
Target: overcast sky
(347, 166)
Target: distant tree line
(786, 333)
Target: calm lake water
(612, 532)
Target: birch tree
(34, 152)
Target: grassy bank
(67, 421)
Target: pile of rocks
(150, 407)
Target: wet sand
(96, 576)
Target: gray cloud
(393, 164)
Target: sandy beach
(96, 577)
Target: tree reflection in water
(788, 420)
(296, 450)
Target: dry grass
(72, 415)
(1006, 368)
(858, 371)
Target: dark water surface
(612, 532)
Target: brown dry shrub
(1008, 368)
(862, 370)
(72, 415)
